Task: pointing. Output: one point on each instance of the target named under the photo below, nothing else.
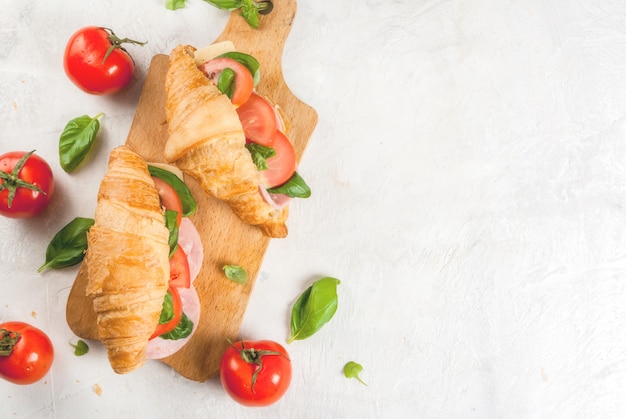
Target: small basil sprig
(76, 141)
(260, 154)
(314, 308)
(248, 61)
(186, 198)
(295, 187)
(81, 347)
(352, 370)
(250, 9)
(235, 273)
(68, 246)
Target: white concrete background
(469, 189)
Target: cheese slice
(209, 52)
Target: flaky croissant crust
(206, 141)
(127, 260)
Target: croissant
(127, 260)
(206, 141)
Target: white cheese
(209, 52)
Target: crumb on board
(97, 389)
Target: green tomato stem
(8, 340)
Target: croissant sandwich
(133, 289)
(228, 137)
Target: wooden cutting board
(225, 238)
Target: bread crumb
(33, 314)
(97, 389)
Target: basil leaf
(314, 308)
(76, 141)
(247, 60)
(352, 370)
(260, 154)
(295, 187)
(226, 82)
(186, 198)
(81, 348)
(175, 4)
(68, 246)
(170, 223)
(225, 4)
(181, 331)
(235, 273)
(250, 13)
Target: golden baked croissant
(127, 260)
(207, 142)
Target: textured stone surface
(469, 189)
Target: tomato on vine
(26, 184)
(96, 61)
(26, 353)
(255, 373)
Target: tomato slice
(177, 308)
(179, 269)
(244, 81)
(281, 166)
(258, 120)
(169, 197)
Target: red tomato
(281, 166)
(255, 373)
(177, 308)
(26, 353)
(169, 197)
(179, 269)
(258, 119)
(244, 81)
(26, 184)
(89, 67)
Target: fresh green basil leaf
(226, 82)
(295, 187)
(167, 312)
(250, 12)
(181, 331)
(352, 370)
(175, 4)
(260, 154)
(225, 4)
(235, 273)
(68, 246)
(186, 198)
(247, 60)
(170, 223)
(81, 348)
(314, 308)
(76, 141)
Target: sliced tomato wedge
(258, 119)
(281, 166)
(169, 197)
(179, 269)
(244, 81)
(177, 308)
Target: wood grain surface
(225, 238)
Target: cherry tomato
(26, 184)
(96, 62)
(179, 269)
(244, 81)
(169, 197)
(281, 166)
(255, 373)
(258, 119)
(177, 308)
(26, 353)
